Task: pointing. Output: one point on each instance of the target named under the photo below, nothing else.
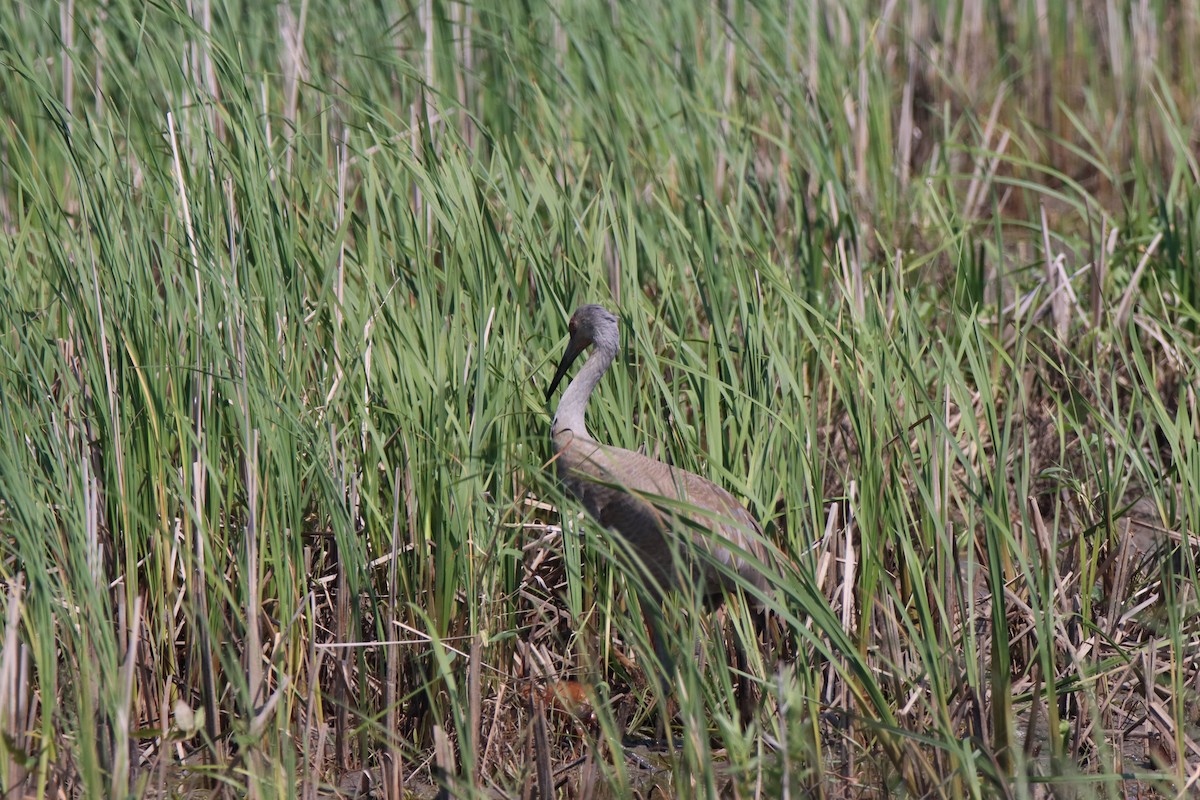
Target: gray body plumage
(667, 515)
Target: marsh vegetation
(284, 285)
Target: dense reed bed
(283, 287)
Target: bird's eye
(571, 326)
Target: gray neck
(569, 416)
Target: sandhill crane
(667, 515)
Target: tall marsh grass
(283, 285)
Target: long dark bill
(574, 348)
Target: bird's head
(590, 324)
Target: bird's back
(651, 503)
